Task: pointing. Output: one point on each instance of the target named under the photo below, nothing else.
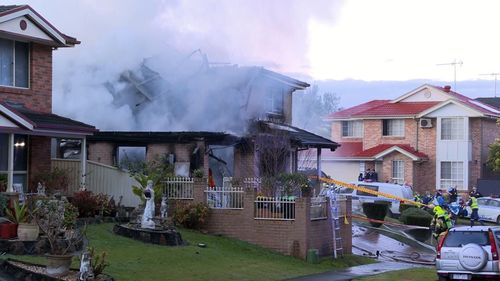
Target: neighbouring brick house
(431, 137)
(27, 124)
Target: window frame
(398, 171)
(456, 131)
(355, 127)
(272, 104)
(457, 182)
(389, 125)
(13, 70)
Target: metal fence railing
(274, 208)
(178, 188)
(318, 208)
(225, 197)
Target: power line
(494, 74)
(454, 63)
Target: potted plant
(50, 218)
(20, 215)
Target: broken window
(275, 101)
(128, 156)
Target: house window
(352, 128)
(131, 157)
(275, 101)
(393, 127)
(398, 171)
(20, 159)
(452, 174)
(14, 63)
(452, 128)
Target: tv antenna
(495, 74)
(454, 63)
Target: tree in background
(494, 158)
(312, 107)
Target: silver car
(469, 253)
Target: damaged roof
(163, 137)
(302, 138)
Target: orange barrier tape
(369, 191)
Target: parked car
(469, 252)
(359, 197)
(489, 209)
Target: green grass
(415, 274)
(222, 259)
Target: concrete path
(357, 271)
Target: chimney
(447, 88)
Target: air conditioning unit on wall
(425, 123)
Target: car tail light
(493, 244)
(440, 245)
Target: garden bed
(167, 237)
(34, 272)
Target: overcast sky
(365, 40)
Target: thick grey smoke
(117, 35)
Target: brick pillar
(249, 204)
(199, 185)
(302, 226)
(346, 230)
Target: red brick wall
(490, 131)
(387, 167)
(287, 237)
(244, 162)
(102, 152)
(39, 157)
(336, 133)
(39, 96)
(475, 125)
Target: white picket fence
(179, 188)
(225, 197)
(101, 179)
(274, 208)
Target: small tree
(156, 170)
(494, 157)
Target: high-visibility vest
(438, 211)
(474, 205)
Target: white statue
(164, 207)
(86, 273)
(149, 211)
(40, 189)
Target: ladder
(334, 214)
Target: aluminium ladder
(334, 214)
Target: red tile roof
(475, 104)
(349, 112)
(372, 152)
(398, 109)
(346, 149)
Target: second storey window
(352, 128)
(275, 101)
(393, 127)
(452, 128)
(14, 63)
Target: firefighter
(417, 198)
(440, 223)
(474, 216)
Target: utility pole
(494, 74)
(454, 63)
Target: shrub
(55, 180)
(191, 216)
(376, 210)
(415, 216)
(86, 202)
(99, 261)
(70, 215)
(107, 205)
(198, 173)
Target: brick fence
(290, 237)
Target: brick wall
(387, 167)
(101, 152)
(336, 133)
(39, 157)
(425, 172)
(39, 96)
(288, 237)
(490, 131)
(244, 160)
(475, 125)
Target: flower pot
(27, 232)
(58, 264)
(8, 230)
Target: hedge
(416, 216)
(376, 210)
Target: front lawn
(414, 274)
(222, 259)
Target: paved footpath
(357, 271)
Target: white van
(359, 197)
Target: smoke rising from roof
(118, 35)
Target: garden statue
(149, 211)
(40, 189)
(164, 207)
(86, 273)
